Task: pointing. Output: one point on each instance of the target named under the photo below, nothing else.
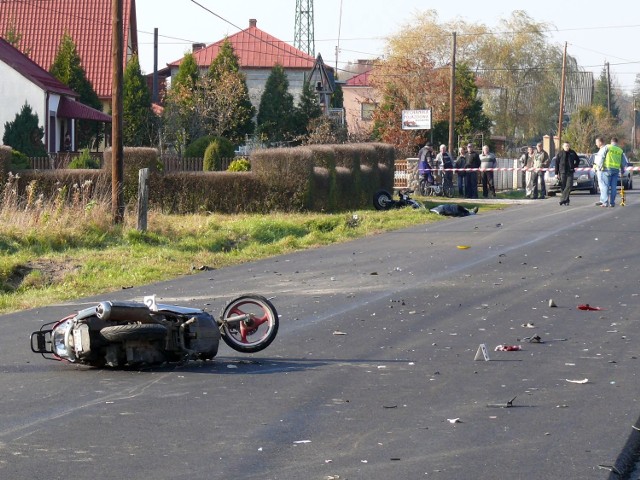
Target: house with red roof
(258, 52)
(40, 26)
(23, 81)
(360, 100)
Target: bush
(19, 161)
(217, 150)
(196, 148)
(239, 165)
(84, 161)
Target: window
(366, 111)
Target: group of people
(467, 159)
(535, 161)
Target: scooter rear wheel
(133, 331)
(255, 333)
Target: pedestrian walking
(487, 161)
(566, 163)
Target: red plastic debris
(586, 306)
(508, 348)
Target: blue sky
(594, 34)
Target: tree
(138, 119)
(276, 112)
(308, 108)
(67, 67)
(25, 134)
(14, 38)
(603, 91)
(182, 125)
(226, 95)
(587, 123)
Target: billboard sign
(416, 119)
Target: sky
(596, 32)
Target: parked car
(582, 179)
(625, 179)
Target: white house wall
(15, 90)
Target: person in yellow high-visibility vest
(612, 163)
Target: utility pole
(452, 97)
(154, 96)
(562, 85)
(117, 161)
(606, 64)
(635, 125)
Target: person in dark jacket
(566, 162)
(471, 177)
(459, 164)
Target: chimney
(252, 22)
(197, 46)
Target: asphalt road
(373, 361)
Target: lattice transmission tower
(303, 36)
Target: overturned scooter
(129, 334)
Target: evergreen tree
(67, 67)
(601, 93)
(276, 113)
(308, 109)
(188, 74)
(25, 134)
(337, 99)
(14, 38)
(138, 119)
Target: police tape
(513, 169)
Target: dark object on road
(119, 334)
(453, 210)
(383, 200)
(508, 404)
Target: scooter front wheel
(249, 323)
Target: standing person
(597, 166)
(425, 163)
(471, 176)
(613, 161)
(526, 162)
(443, 162)
(566, 163)
(487, 160)
(540, 164)
(459, 164)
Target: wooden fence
(171, 163)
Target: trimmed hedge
(320, 178)
(5, 160)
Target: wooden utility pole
(606, 64)
(562, 85)
(452, 98)
(117, 161)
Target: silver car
(582, 179)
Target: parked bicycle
(441, 185)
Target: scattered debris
(508, 404)
(454, 420)
(302, 441)
(337, 332)
(463, 247)
(588, 307)
(532, 339)
(507, 348)
(389, 406)
(552, 304)
(528, 325)
(583, 381)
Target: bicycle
(441, 186)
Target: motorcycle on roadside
(131, 334)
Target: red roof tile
(32, 71)
(43, 23)
(70, 109)
(360, 80)
(256, 49)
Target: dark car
(584, 178)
